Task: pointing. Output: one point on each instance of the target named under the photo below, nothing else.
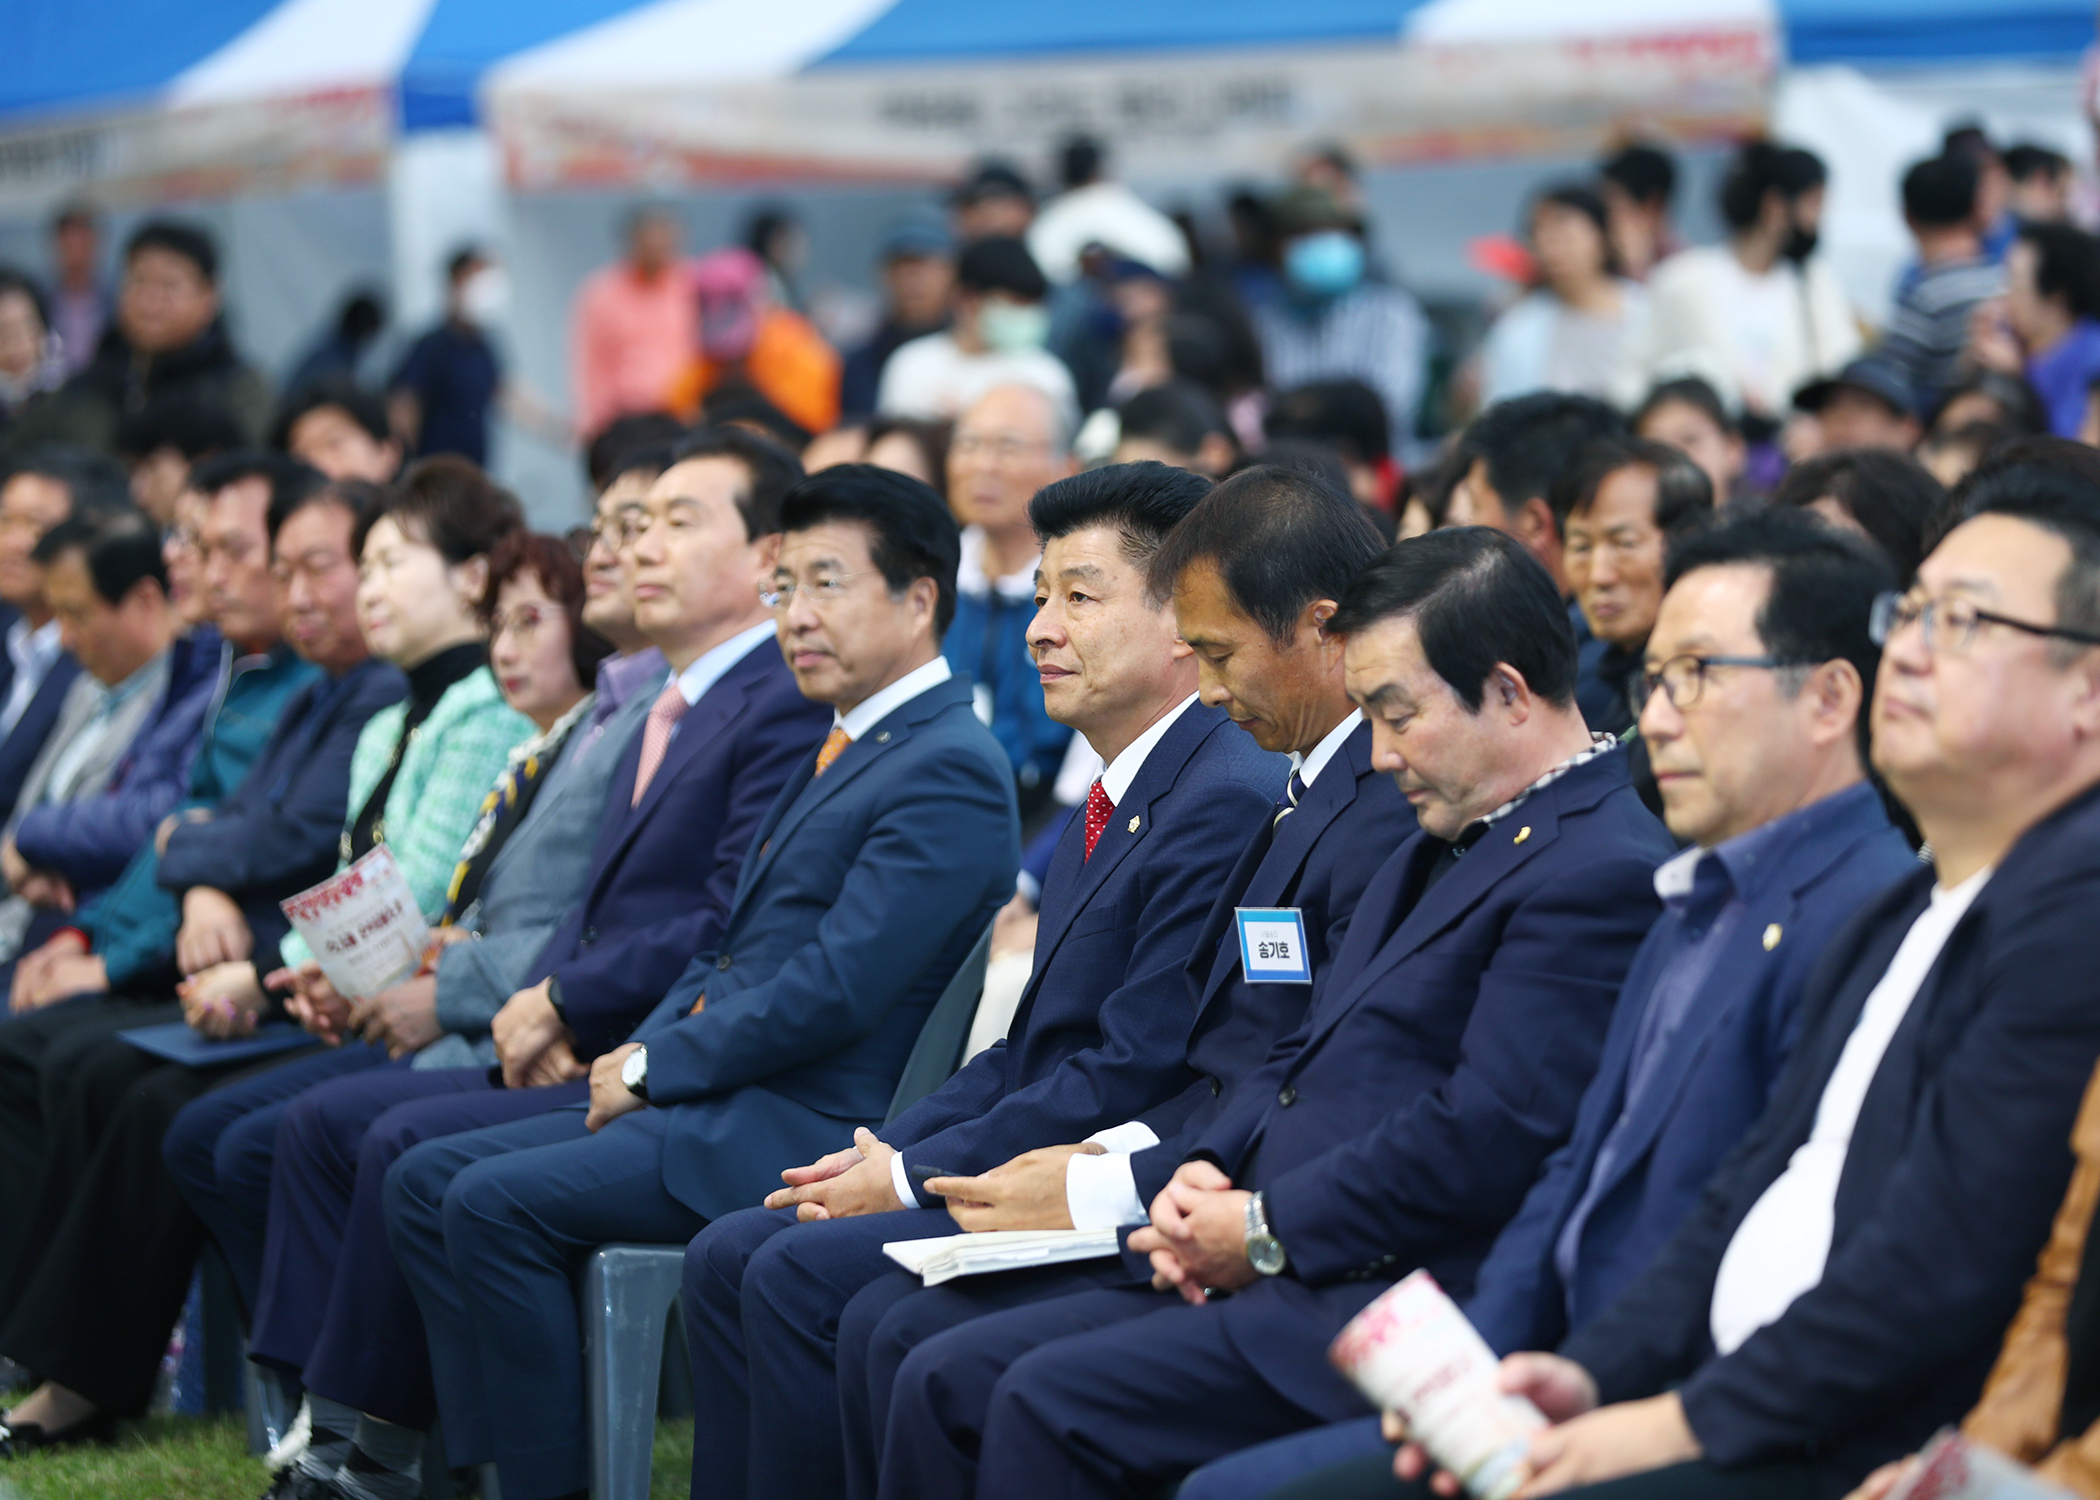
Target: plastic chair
(630, 1291)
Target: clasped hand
(845, 1183)
(313, 1001)
(222, 1001)
(1026, 1193)
(403, 1018)
(1197, 1239)
(62, 967)
(1587, 1443)
(532, 1044)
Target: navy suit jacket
(1318, 859)
(663, 873)
(1101, 1032)
(18, 752)
(1957, 1164)
(1440, 1062)
(1715, 1078)
(866, 889)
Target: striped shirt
(1929, 328)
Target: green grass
(206, 1458)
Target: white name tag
(1272, 945)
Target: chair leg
(624, 1318)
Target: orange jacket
(789, 364)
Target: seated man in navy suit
(664, 852)
(1840, 1290)
(1759, 672)
(868, 882)
(1255, 572)
(1101, 1032)
(1440, 1062)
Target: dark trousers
(335, 1309)
(489, 1228)
(1117, 1392)
(219, 1149)
(892, 1316)
(25, 1040)
(1257, 1472)
(112, 1241)
(1371, 1478)
(762, 1299)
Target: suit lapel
(1280, 852)
(812, 792)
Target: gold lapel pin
(1133, 825)
(1773, 933)
(1523, 833)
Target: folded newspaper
(944, 1259)
(363, 925)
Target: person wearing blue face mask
(997, 337)
(1334, 321)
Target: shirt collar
(1600, 744)
(1124, 768)
(970, 577)
(878, 706)
(621, 677)
(1310, 766)
(1749, 857)
(709, 667)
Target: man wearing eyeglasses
(1840, 1290)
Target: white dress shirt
(1101, 1191)
(33, 652)
(1115, 781)
(877, 706)
(1779, 1250)
(707, 669)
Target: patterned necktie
(664, 714)
(1098, 809)
(834, 746)
(1288, 804)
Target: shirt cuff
(1101, 1190)
(901, 1182)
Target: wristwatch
(635, 1073)
(1264, 1250)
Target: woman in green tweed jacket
(423, 766)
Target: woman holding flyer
(418, 775)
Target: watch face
(631, 1070)
(1265, 1254)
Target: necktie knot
(1098, 810)
(664, 714)
(834, 746)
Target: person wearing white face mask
(440, 397)
(1001, 323)
(1334, 322)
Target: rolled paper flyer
(1412, 1351)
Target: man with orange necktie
(866, 885)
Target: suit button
(1287, 1095)
(722, 963)
(1215, 1088)
(590, 936)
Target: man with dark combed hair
(1439, 1064)
(1101, 1033)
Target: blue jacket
(1713, 1082)
(864, 891)
(1318, 859)
(18, 752)
(663, 874)
(133, 924)
(987, 643)
(280, 830)
(90, 841)
(1957, 1164)
(1440, 1063)
(1101, 1032)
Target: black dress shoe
(27, 1437)
(292, 1483)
